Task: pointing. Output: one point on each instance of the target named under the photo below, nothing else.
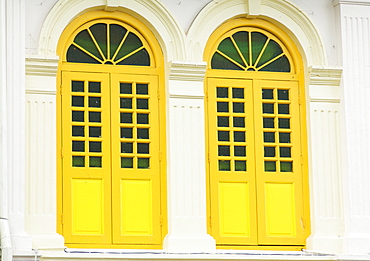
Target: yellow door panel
(136, 160)
(278, 163)
(87, 207)
(231, 167)
(86, 157)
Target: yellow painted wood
(145, 229)
(234, 190)
(86, 183)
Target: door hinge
(62, 218)
(158, 94)
(60, 89)
(161, 220)
(303, 223)
(206, 96)
(61, 153)
(160, 156)
(210, 221)
(299, 99)
(209, 157)
(301, 159)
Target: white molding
(291, 18)
(41, 92)
(151, 12)
(41, 66)
(182, 71)
(328, 100)
(350, 2)
(325, 76)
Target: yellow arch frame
(296, 74)
(156, 68)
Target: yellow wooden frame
(156, 68)
(297, 75)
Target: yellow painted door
(110, 159)
(135, 160)
(278, 163)
(256, 190)
(231, 166)
(86, 158)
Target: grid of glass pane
(231, 129)
(277, 132)
(86, 124)
(134, 125)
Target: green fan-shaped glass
(250, 51)
(108, 44)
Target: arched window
(256, 137)
(111, 134)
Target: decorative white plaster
(186, 71)
(151, 12)
(41, 66)
(297, 25)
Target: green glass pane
(223, 150)
(242, 41)
(78, 101)
(284, 137)
(84, 40)
(78, 146)
(268, 94)
(258, 41)
(142, 118)
(126, 147)
(95, 132)
(222, 107)
(220, 62)
(77, 86)
(284, 123)
(143, 163)
(270, 166)
(239, 136)
(268, 108)
(126, 133)
(78, 116)
(125, 88)
(227, 47)
(286, 166)
(223, 136)
(94, 146)
(222, 121)
(238, 93)
(94, 87)
(94, 102)
(100, 34)
(126, 117)
(95, 162)
(272, 50)
(142, 133)
(283, 109)
(240, 165)
(239, 122)
(78, 161)
(131, 43)
(239, 151)
(94, 116)
(142, 104)
(140, 58)
(285, 152)
(116, 33)
(269, 152)
(238, 107)
(268, 123)
(269, 136)
(127, 163)
(76, 55)
(126, 103)
(279, 65)
(78, 131)
(222, 92)
(142, 88)
(143, 148)
(283, 95)
(224, 165)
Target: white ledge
(41, 66)
(329, 76)
(183, 71)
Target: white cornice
(351, 2)
(183, 71)
(41, 66)
(329, 76)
